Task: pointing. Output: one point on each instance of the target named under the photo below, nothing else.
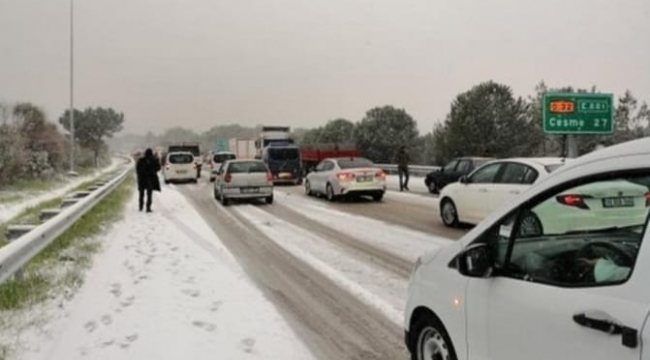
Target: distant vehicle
(450, 173)
(350, 176)
(276, 149)
(179, 167)
(217, 160)
(576, 290)
(242, 148)
(243, 179)
(490, 186)
(191, 147)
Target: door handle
(630, 337)
(514, 191)
(482, 190)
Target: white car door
(508, 185)
(561, 296)
(316, 178)
(473, 197)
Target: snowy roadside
(30, 199)
(163, 287)
(416, 184)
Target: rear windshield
(551, 168)
(247, 167)
(181, 158)
(284, 154)
(355, 163)
(221, 158)
(194, 149)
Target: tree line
(32, 147)
(486, 120)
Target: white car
(243, 179)
(565, 294)
(490, 186)
(217, 159)
(179, 167)
(338, 177)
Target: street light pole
(72, 172)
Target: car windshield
(284, 154)
(220, 158)
(354, 163)
(181, 158)
(194, 149)
(247, 167)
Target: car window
(353, 163)
(181, 158)
(451, 166)
(219, 158)
(328, 166)
(464, 166)
(530, 176)
(586, 235)
(247, 167)
(486, 174)
(515, 173)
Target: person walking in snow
(147, 169)
(402, 159)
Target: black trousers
(403, 177)
(149, 193)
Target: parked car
(243, 179)
(490, 186)
(450, 173)
(349, 176)
(179, 167)
(217, 159)
(567, 293)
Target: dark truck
(450, 173)
(283, 160)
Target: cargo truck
(242, 148)
(276, 148)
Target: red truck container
(311, 155)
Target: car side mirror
(475, 261)
(463, 179)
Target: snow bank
(401, 241)
(9, 211)
(165, 287)
(376, 287)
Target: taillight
(269, 176)
(346, 176)
(380, 174)
(228, 178)
(647, 198)
(573, 200)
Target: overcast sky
(199, 63)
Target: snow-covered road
(165, 287)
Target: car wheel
(530, 225)
(308, 190)
(269, 199)
(433, 187)
(378, 196)
(431, 341)
(448, 213)
(329, 191)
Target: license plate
(364, 178)
(181, 171)
(616, 202)
(250, 190)
(285, 175)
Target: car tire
(329, 192)
(308, 189)
(433, 187)
(378, 197)
(430, 338)
(269, 199)
(530, 225)
(448, 213)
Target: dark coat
(147, 169)
(402, 159)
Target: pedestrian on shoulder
(403, 159)
(147, 169)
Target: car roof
(536, 160)
(180, 153)
(630, 155)
(244, 160)
(223, 153)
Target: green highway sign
(221, 145)
(578, 113)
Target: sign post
(574, 114)
(221, 145)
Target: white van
(217, 159)
(179, 167)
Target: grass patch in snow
(60, 266)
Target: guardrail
(23, 249)
(417, 170)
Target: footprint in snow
(248, 344)
(189, 280)
(116, 289)
(192, 293)
(205, 326)
(90, 326)
(128, 341)
(107, 319)
(216, 305)
(108, 343)
(128, 301)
